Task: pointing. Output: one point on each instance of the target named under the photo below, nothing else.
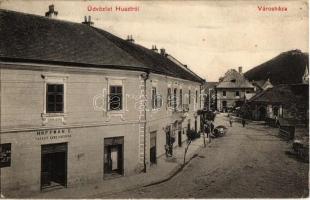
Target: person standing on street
(276, 121)
(230, 120)
(243, 122)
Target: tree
(191, 135)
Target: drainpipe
(145, 76)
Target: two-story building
(79, 104)
(232, 90)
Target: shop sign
(52, 134)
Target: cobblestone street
(248, 162)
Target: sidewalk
(164, 169)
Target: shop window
(114, 156)
(55, 98)
(5, 155)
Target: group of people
(208, 129)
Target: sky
(210, 37)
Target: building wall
(164, 116)
(23, 116)
(230, 97)
(85, 156)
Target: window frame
(175, 93)
(181, 98)
(154, 99)
(51, 78)
(169, 100)
(109, 98)
(55, 94)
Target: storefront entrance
(113, 156)
(53, 165)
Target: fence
(287, 132)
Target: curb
(176, 170)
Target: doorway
(180, 134)
(224, 106)
(153, 148)
(53, 165)
(262, 113)
(113, 156)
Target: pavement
(248, 162)
(164, 170)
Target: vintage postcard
(154, 99)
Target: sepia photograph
(154, 99)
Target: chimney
(51, 13)
(88, 22)
(240, 70)
(130, 39)
(154, 48)
(163, 52)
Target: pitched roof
(284, 94)
(208, 85)
(155, 61)
(234, 79)
(39, 39)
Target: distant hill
(286, 68)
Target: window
(181, 98)
(247, 91)
(175, 98)
(55, 98)
(116, 98)
(189, 97)
(237, 93)
(224, 93)
(154, 98)
(5, 155)
(169, 97)
(196, 96)
(233, 80)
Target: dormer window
(233, 80)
